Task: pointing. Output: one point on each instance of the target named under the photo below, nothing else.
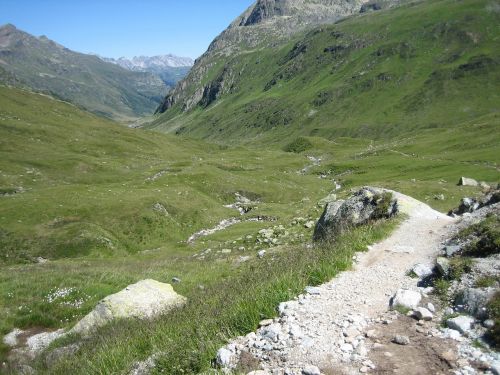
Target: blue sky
(115, 28)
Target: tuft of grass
(402, 309)
(383, 201)
(459, 266)
(486, 237)
(441, 287)
(486, 282)
(298, 145)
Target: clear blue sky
(115, 28)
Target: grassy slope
(390, 73)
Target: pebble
(401, 340)
(311, 370)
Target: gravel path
(323, 327)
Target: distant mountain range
(87, 81)
(170, 68)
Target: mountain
(265, 24)
(100, 87)
(381, 74)
(170, 68)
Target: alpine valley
(316, 194)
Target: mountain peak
(262, 10)
(8, 27)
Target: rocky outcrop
(366, 205)
(469, 205)
(144, 300)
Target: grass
(190, 337)
(486, 282)
(441, 287)
(298, 145)
(485, 237)
(459, 266)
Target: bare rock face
(365, 205)
(144, 300)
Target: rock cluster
(469, 205)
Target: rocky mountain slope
(87, 81)
(267, 23)
(170, 68)
(424, 65)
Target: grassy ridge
(428, 65)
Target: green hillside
(427, 65)
(85, 80)
(83, 193)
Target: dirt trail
(324, 326)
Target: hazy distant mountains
(170, 68)
(43, 65)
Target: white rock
(461, 323)
(346, 348)
(309, 224)
(311, 370)
(452, 334)
(489, 323)
(421, 313)
(313, 290)
(495, 367)
(464, 181)
(401, 340)
(224, 357)
(361, 350)
(39, 342)
(261, 253)
(422, 270)
(10, 339)
(259, 372)
(431, 307)
(406, 298)
(144, 300)
(271, 331)
(295, 331)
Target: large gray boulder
(143, 300)
(365, 205)
(474, 301)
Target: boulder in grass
(364, 206)
(465, 181)
(143, 300)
